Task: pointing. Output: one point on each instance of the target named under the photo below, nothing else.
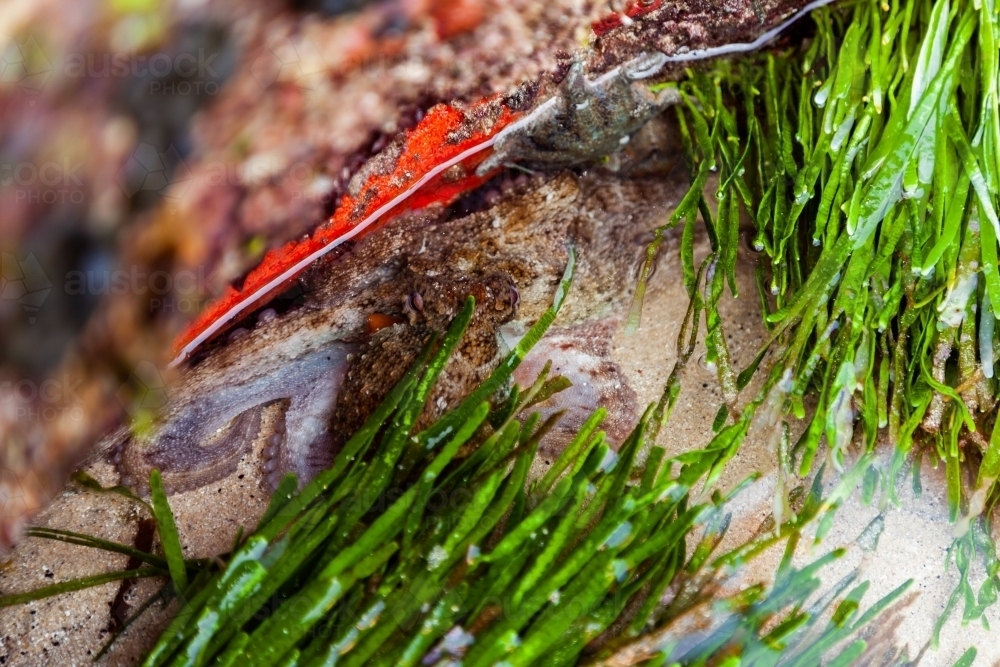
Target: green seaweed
(868, 159)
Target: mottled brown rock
(677, 26)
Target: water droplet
(437, 556)
(706, 365)
(720, 194)
(754, 244)
(819, 99)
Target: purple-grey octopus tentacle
(202, 439)
(306, 445)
